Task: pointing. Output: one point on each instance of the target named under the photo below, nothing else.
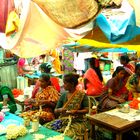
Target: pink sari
(94, 85)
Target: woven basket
(70, 13)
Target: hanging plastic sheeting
(81, 31)
(77, 17)
(136, 5)
(85, 48)
(98, 44)
(39, 35)
(118, 25)
(5, 7)
(9, 41)
(74, 13)
(97, 40)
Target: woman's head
(44, 80)
(94, 64)
(124, 59)
(119, 72)
(70, 81)
(45, 67)
(137, 69)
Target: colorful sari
(133, 85)
(4, 90)
(54, 81)
(44, 112)
(118, 90)
(94, 85)
(78, 126)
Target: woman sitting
(7, 99)
(44, 102)
(46, 68)
(72, 103)
(133, 83)
(116, 91)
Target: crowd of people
(55, 107)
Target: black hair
(46, 77)
(92, 62)
(125, 58)
(45, 67)
(71, 78)
(118, 69)
(137, 67)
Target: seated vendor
(116, 91)
(71, 109)
(7, 99)
(46, 68)
(44, 102)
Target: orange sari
(46, 113)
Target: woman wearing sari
(116, 91)
(93, 79)
(72, 103)
(7, 99)
(44, 102)
(46, 68)
(127, 64)
(133, 83)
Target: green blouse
(63, 99)
(4, 90)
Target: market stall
(42, 132)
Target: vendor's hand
(121, 100)
(31, 100)
(61, 110)
(71, 112)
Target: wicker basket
(70, 13)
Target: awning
(38, 35)
(97, 41)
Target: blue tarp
(118, 29)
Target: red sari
(118, 90)
(94, 85)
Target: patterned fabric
(54, 81)
(74, 102)
(49, 94)
(118, 91)
(79, 124)
(68, 61)
(133, 85)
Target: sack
(70, 13)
